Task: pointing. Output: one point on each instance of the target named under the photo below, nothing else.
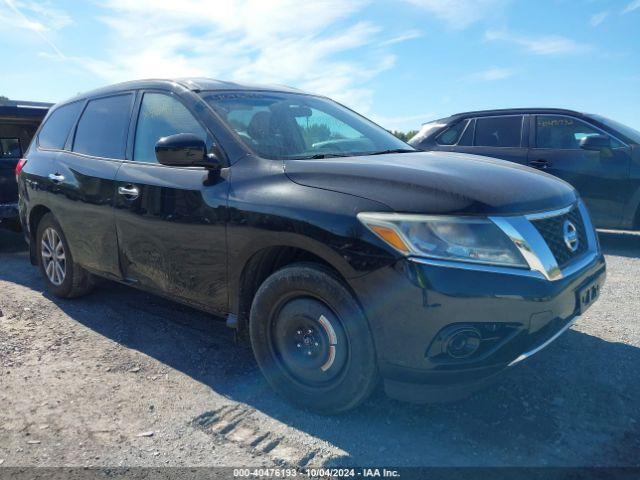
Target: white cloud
(492, 74)
(598, 18)
(634, 5)
(39, 18)
(310, 45)
(459, 14)
(543, 45)
(403, 37)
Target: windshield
(630, 133)
(288, 126)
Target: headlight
(466, 239)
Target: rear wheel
(62, 276)
(311, 340)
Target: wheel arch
(35, 215)
(263, 263)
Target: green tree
(405, 137)
(316, 132)
(4, 100)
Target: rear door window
(55, 130)
(503, 131)
(102, 129)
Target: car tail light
(19, 166)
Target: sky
(399, 62)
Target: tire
(312, 341)
(51, 246)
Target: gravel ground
(123, 378)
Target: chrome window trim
(467, 127)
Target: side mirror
(595, 142)
(185, 150)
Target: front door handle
(56, 177)
(129, 191)
(540, 163)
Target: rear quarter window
(102, 129)
(451, 135)
(57, 126)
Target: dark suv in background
(343, 253)
(18, 123)
(598, 156)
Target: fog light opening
(463, 343)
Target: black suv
(344, 254)
(598, 156)
(18, 123)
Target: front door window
(564, 133)
(160, 116)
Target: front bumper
(411, 303)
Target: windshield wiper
(394, 150)
(352, 154)
(322, 155)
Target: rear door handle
(129, 191)
(541, 163)
(56, 177)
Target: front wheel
(311, 339)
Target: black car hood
(437, 182)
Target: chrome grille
(551, 230)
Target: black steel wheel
(308, 339)
(311, 339)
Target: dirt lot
(125, 378)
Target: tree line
(405, 137)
